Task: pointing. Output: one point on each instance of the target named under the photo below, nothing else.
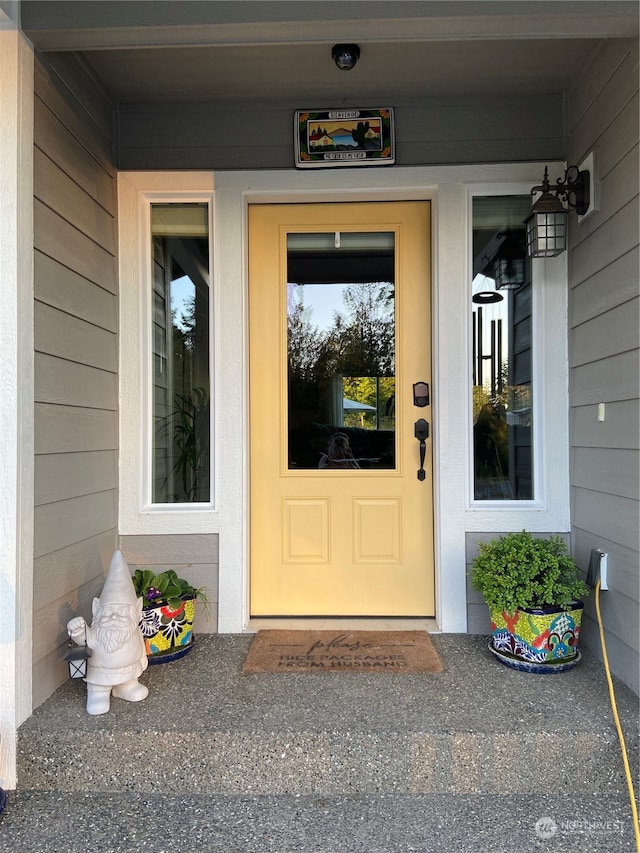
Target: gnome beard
(114, 629)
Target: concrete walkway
(477, 758)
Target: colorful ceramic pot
(544, 635)
(168, 634)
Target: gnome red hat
(118, 586)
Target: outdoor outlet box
(597, 569)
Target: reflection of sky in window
(182, 292)
(323, 300)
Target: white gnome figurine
(118, 656)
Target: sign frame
(344, 137)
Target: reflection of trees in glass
(495, 420)
(361, 341)
(376, 391)
(304, 339)
(184, 324)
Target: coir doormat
(342, 651)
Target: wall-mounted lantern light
(547, 223)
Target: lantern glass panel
(547, 234)
(509, 273)
(78, 668)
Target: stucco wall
(602, 115)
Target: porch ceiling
(177, 51)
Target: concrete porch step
(478, 728)
(48, 822)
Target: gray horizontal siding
(613, 332)
(61, 193)
(194, 557)
(64, 522)
(607, 516)
(73, 384)
(608, 470)
(607, 87)
(63, 572)
(70, 429)
(618, 430)
(219, 135)
(602, 115)
(60, 334)
(59, 478)
(70, 154)
(595, 296)
(76, 360)
(62, 288)
(611, 379)
(60, 240)
(71, 93)
(612, 240)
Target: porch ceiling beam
(98, 25)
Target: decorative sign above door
(344, 137)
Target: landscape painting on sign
(343, 137)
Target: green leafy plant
(192, 437)
(166, 588)
(188, 426)
(518, 571)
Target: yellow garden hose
(614, 708)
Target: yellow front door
(340, 332)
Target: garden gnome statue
(118, 656)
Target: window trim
(549, 508)
(137, 513)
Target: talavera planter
(545, 636)
(168, 633)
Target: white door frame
(448, 188)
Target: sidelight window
(502, 352)
(180, 343)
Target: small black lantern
(77, 657)
(547, 223)
(510, 262)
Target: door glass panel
(502, 350)
(181, 386)
(341, 350)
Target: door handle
(421, 431)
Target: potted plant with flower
(167, 614)
(533, 589)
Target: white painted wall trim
(136, 191)
(16, 400)
(448, 188)
(549, 511)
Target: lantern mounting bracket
(574, 188)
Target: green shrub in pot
(533, 589)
